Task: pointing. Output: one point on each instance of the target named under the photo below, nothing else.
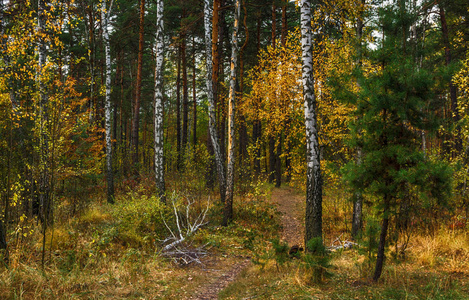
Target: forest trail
(289, 205)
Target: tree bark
(358, 200)
(211, 102)
(382, 241)
(178, 112)
(228, 213)
(107, 104)
(138, 89)
(452, 87)
(185, 93)
(158, 104)
(243, 135)
(256, 127)
(194, 96)
(313, 217)
(288, 121)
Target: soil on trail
(220, 279)
(289, 205)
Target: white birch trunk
(313, 217)
(228, 215)
(158, 105)
(211, 104)
(107, 103)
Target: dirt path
(289, 205)
(220, 280)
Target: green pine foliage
(395, 104)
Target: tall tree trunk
(358, 200)
(194, 95)
(288, 145)
(222, 114)
(284, 23)
(138, 89)
(256, 127)
(215, 54)
(452, 87)
(243, 135)
(158, 104)
(228, 213)
(272, 156)
(3, 242)
(211, 102)
(44, 184)
(91, 51)
(313, 217)
(178, 112)
(107, 104)
(185, 92)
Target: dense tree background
(390, 84)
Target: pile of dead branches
(178, 246)
(338, 244)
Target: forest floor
(108, 252)
(289, 206)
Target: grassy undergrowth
(435, 266)
(112, 252)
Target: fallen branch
(341, 244)
(185, 229)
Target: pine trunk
(158, 105)
(228, 214)
(211, 102)
(185, 95)
(382, 241)
(194, 96)
(313, 217)
(452, 87)
(138, 91)
(178, 112)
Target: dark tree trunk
(194, 96)
(243, 134)
(382, 241)
(178, 112)
(3, 243)
(222, 35)
(185, 94)
(278, 162)
(452, 87)
(138, 89)
(272, 158)
(358, 200)
(256, 127)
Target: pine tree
(389, 111)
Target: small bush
(317, 260)
(140, 220)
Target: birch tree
(313, 217)
(158, 116)
(228, 214)
(105, 13)
(211, 103)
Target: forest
(234, 149)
